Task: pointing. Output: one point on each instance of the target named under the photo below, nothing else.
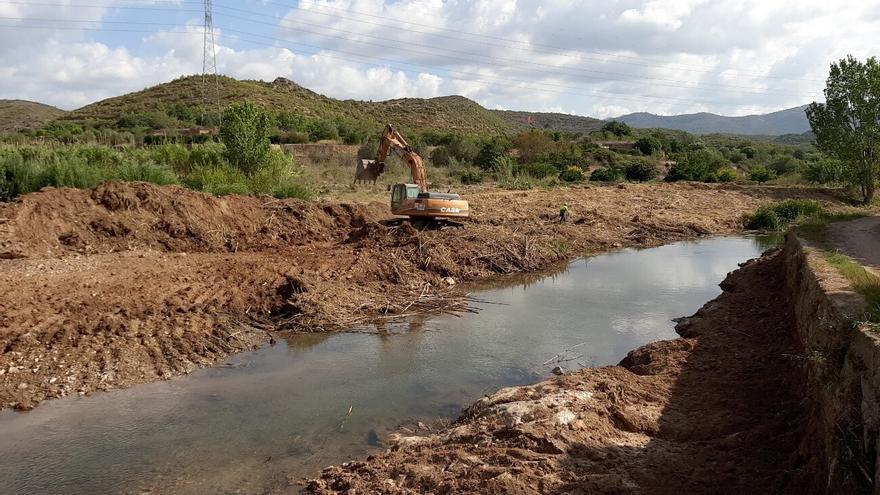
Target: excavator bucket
(368, 170)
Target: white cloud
(599, 59)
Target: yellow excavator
(413, 200)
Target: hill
(550, 121)
(22, 114)
(789, 121)
(184, 95)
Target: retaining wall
(841, 359)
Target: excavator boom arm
(392, 140)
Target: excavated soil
(717, 411)
(130, 282)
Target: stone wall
(841, 359)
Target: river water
(262, 420)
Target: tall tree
(847, 125)
(245, 132)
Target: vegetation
(245, 133)
(573, 174)
(863, 281)
(847, 125)
(782, 214)
(204, 168)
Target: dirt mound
(129, 216)
(718, 412)
(130, 282)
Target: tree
(245, 132)
(847, 125)
(491, 151)
(617, 128)
(697, 165)
(649, 145)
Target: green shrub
(726, 174)
(440, 157)
(175, 156)
(538, 170)
(608, 174)
(764, 219)
(218, 181)
(572, 174)
(760, 173)
(825, 171)
(699, 164)
(490, 151)
(791, 210)
(649, 145)
(147, 172)
(323, 129)
(293, 190)
(207, 155)
(519, 183)
(640, 170)
(783, 213)
(245, 132)
(470, 176)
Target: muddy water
(264, 419)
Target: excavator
(433, 209)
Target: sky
(596, 58)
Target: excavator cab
(402, 192)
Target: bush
(617, 128)
(440, 157)
(791, 210)
(649, 145)
(760, 173)
(641, 171)
(697, 165)
(368, 151)
(470, 176)
(825, 171)
(608, 174)
(490, 151)
(532, 144)
(780, 215)
(293, 190)
(323, 129)
(291, 137)
(218, 181)
(147, 172)
(245, 132)
(764, 219)
(538, 170)
(726, 174)
(572, 174)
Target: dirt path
(129, 283)
(859, 239)
(718, 411)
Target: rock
(2, 371)
(22, 386)
(449, 280)
(53, 380)
(558, 370)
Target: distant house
(617, 145)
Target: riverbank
(772, 388)
(717, 411)
(130, 283)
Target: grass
(203, 168)
(862, 280)
(779, 216)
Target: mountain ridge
(787, 121)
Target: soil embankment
(717, 411)
(129, 283)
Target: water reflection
(283, 411)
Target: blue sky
(591, 58)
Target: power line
(531, 45)
(468, 57)
(463, 76)
(469, 54)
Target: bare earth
(859, 239)
(130, 283)
(718, 411)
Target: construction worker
(563, 213)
